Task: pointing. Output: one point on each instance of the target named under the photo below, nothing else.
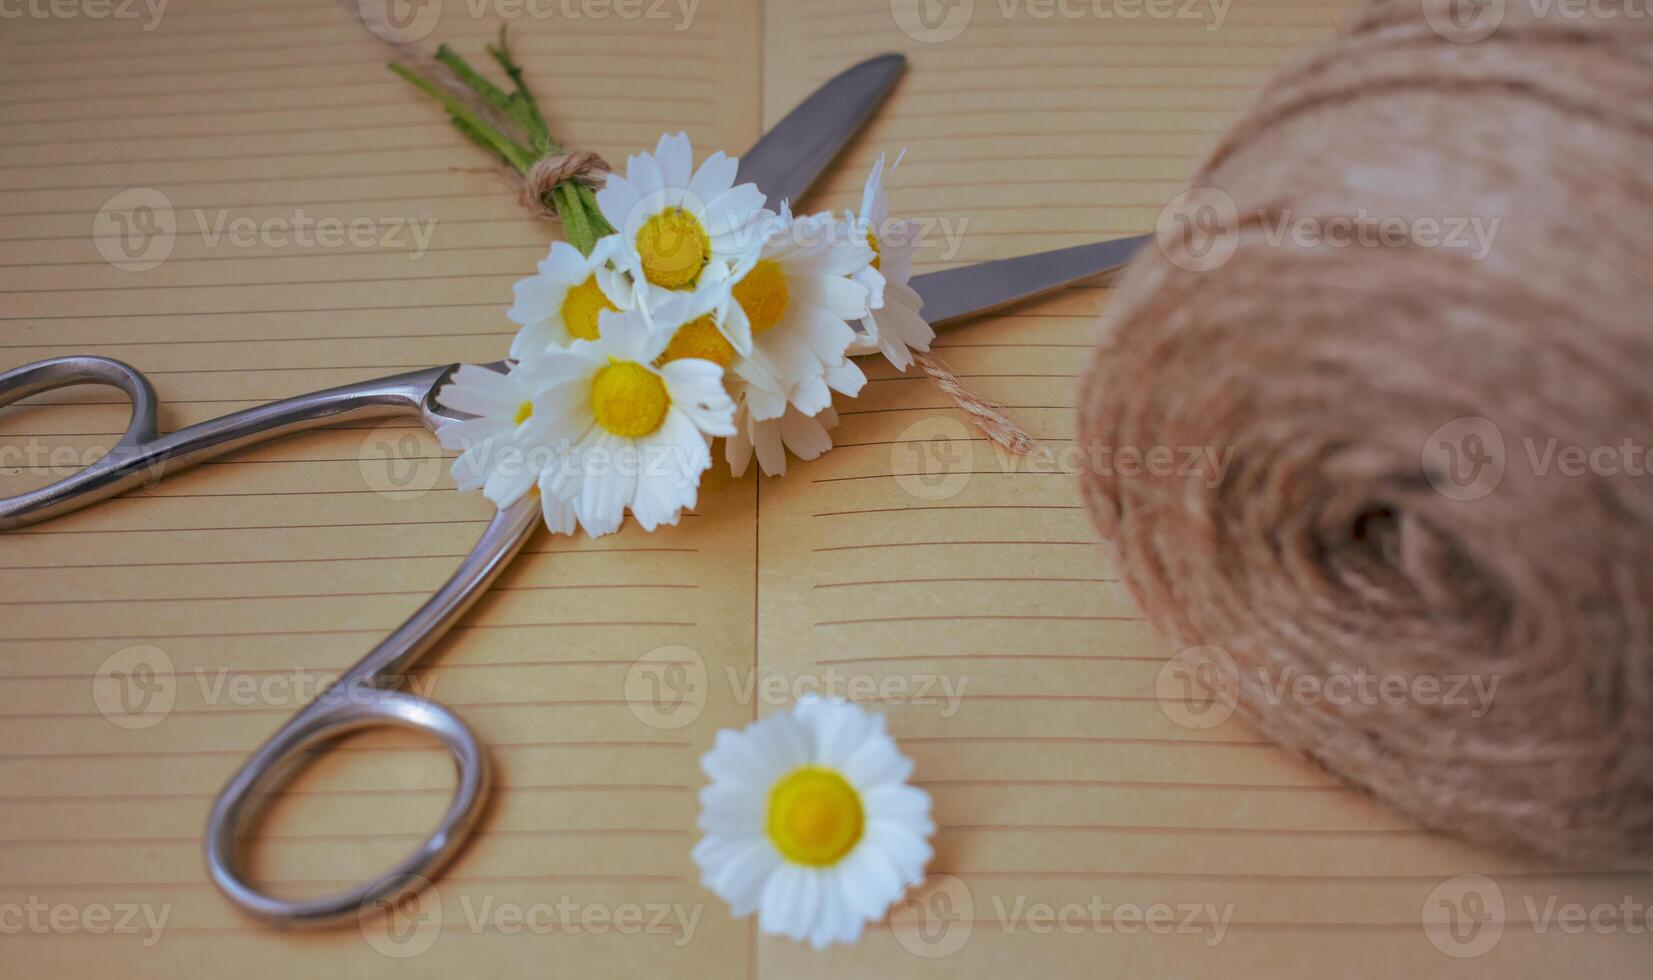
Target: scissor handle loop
(110, 474)
(299, 744)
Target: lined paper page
(150, 642)
(962, 592)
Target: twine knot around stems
(540, 183)
(555, 183)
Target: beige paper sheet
(912, 558)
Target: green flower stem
(574, 202)
(599, 224)
(576, 225)
(528, 110)
(469, 122)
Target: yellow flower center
(699, 338)
(815, 816)
(762, 294)
(872, 243)
(580, 308)
(628, 399)
(525, 411)
(674, 248)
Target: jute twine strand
(534, 190)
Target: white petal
(812, 396)
(479, 391)
(618, 200)
(869, 193)
(737, 452)
(741, 756)
(736, 328)
(790, 898)
(628, 335)
(846, 377)
(762, 401)
(510, 476)
(470, 468)
(841, 729)
(903, 845)
(565, 265)
(836, 920)
(537, 336)
(559, 516)
(733, 809)
(766, 436)
(847, 299)
(733, 219)
(671, 461)
(787, 741)
(645, 173)
(901, 802)
(876, 761)
(696, 389)
(466, 433)
(536, 298)
(603, 497)
(737, 870)
(675, 157)
(715, 176)
(870, 881)
(806, 436)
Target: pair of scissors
(785, 162)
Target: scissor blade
(786, 161)
(972, 289)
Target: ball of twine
(1437, 442)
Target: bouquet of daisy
(680, 310)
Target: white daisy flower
(806, 437)
(674, 224)
(810, 822)
(895, 328)
(630, 433)
(788, 303)
(494, 445)
(559, 305)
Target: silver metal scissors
(785, 162)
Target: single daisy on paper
(788, 303)
(498, 446)
(811, 823)
(559, 305)
(805, 436)
(629, 433)
(675, 221)
(895, 328)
